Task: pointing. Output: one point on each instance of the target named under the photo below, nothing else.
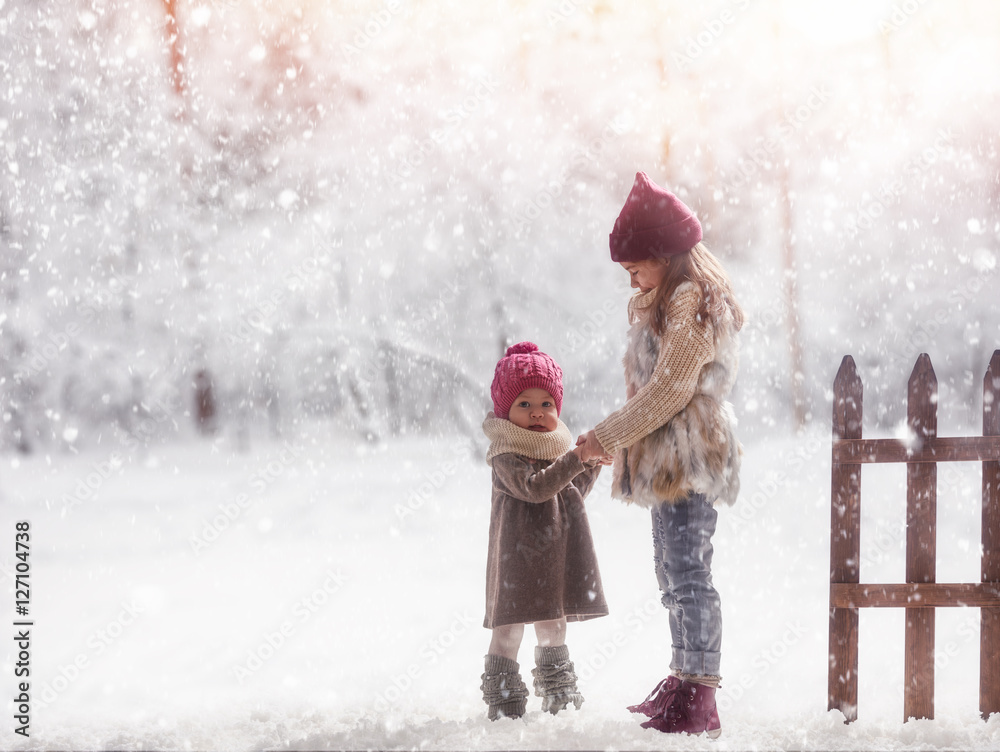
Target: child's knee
(551, 632)
(509, 633)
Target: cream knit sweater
(687, 344)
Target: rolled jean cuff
(705, 663)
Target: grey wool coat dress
(541, 563)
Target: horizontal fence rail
(970, 449)
(915, 595)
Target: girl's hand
(588, 448)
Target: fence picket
(921, 542)
(845, 543)
(989, 648)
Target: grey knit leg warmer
(503, 689)
(555, 679)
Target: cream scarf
(506, 438)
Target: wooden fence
(921, 593)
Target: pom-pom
(522, 347)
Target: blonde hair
(702, 268)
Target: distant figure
(541, 565)
(204, 403)
(673, 441)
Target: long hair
(700, 266)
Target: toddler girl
(541, 565)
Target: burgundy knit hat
(654, 223)
(524, 366)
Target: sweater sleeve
(585, 480)
(687, 344)
(519, 478)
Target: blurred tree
(172, 29)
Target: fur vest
(696, 450)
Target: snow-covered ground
(316, 594)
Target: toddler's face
(645, 275)
(535, 410)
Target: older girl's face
(645, 275)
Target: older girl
(675, 451)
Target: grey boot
(503, 689)
(555, 679)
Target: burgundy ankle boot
(658, 699)
(691, 710)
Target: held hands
(589, 448)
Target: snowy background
(331, 217)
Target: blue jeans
(682, 552)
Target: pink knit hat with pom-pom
(524, 366)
